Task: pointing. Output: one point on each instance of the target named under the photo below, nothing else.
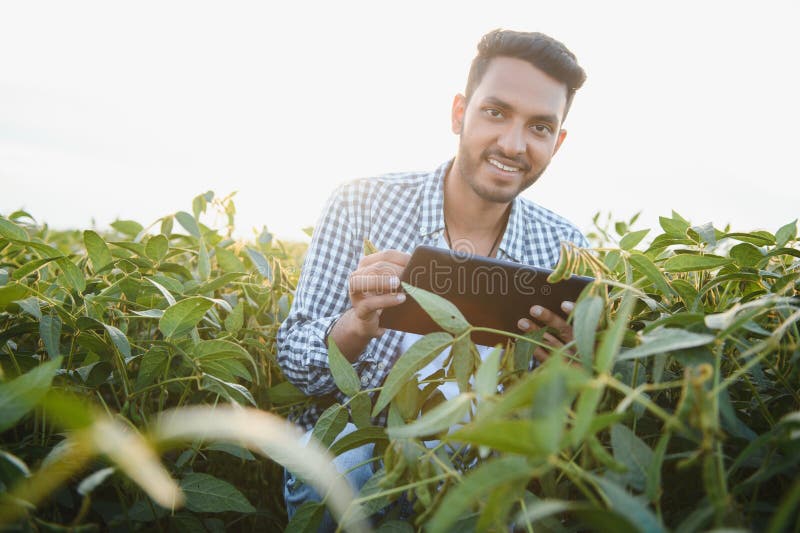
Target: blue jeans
(351, 464)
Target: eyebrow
(493, 100)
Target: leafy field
(139, 390)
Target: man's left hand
(562, 331)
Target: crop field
(139, 390)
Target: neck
(470, 217)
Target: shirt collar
(431, 215)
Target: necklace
(496, 240)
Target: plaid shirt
(395, 211)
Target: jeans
(352, 464)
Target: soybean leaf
(208, 494)
(260, 262)
(587, 317)
(463, 362)
(706, 233)
(369, 248)
(630, 507)
(415, 358)
(673, 227)
(31, 306)
(486, 376)
(188, 222)
(182, 316)
(759, 238)
(746, 255)
(359, 437)
(9, 230)
(98, 250)
(228, 261)
(512, 436)
(157, 247)
(235, 319)
(285, 393)
(232, 391)
(653, 486)
(644, 265)
(442, 311)
(22, 394)
(232, 449)
(474, 486)
(214, 284)
(203, 263)
(786, 233)
(693, 262)
(219, 349)
(662, 340)
(31, 267)
(441, 417)
(360, 409)
(127, 227)
(50, 332)
(11, 293)
(153, 364)
(633, 238)
(631, 451)
(150, 313)
(307, 518)
(167, 295)
(120, 341)
(73, 277)
(344, 375)
(330, 423)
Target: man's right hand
(373, 286)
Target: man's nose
(512, 140)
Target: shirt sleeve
(321, 297)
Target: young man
(509, 123)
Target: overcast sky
(129, 110)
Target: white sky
(129, 110)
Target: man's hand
(550, 320)
(373, 286)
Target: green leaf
(330, 423)
(511, 436)
(786, 233)
(746, 255)
(120, 341)
(474, 486)
(232, 449)
(588, 312)
(629, 241)
(463, 362)
(232, 391)
(706, 233)
(631, 451)
(650, 271)
(31, 267)
(344, 375)
(692, 262)
(216, 283)
(157, 247)
(285, 393)
(357, 438)
(612, 340)
(50, 332)
(486, 376)
(203, 263)
(443, 312)
(32, 306)
(307, 518)
(630, 507)
(219, 349)
(167, 295)
(73, 277)
(673, 227)
(759, 238)
(235, 319)
(98, 250)
(653, 486)
(10, 293)
(416, 357)
(360, 409)
(208, 494)
(369, 248)
(441, 417)
(181, 317)
(188, 222)
(662, 340)
(127, 227)
(11, 231)
(228, 261)
(22, 394)
(153, 364)
(260, 262)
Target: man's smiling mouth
(503, 167)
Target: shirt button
(364, 380)
(381, 365)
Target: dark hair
(540, 50)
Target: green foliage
(677, 406)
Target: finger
(362, 282)
(541, 355)
(372, 304)
(552, 320)
(390, 256)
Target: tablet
(489, 292)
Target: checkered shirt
(399, 212)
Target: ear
(457, 113)
(562, 134)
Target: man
(519, 90)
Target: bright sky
(129, 110)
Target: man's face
(510, 129)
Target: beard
(468, 168)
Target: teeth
(501, 166)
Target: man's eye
(542, 129)
(494, 113)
